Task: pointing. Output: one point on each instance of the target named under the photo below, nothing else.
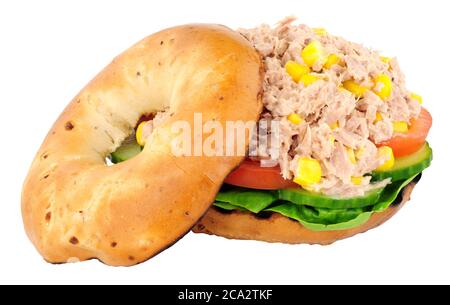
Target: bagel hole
(129, 148)
(122, 152)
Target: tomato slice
(250, 174)
(410, 142)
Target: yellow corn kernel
(351, 155)
(387, 153)
(294, 118)
(309, 172)
(139, 134)
(320, 31)
(313, 53)
(357, 180)
(416, 97)
(308, 79)
(332, 60)
(296, 70)
(342, 89)
(378, 117)
(385, 59)
(335, 125)
(382, 86)
(332, 139)
(355, 88)
(400, 126)
(359, 153)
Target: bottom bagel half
(276, 228)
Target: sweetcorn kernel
(342, 89)
(320, 31)
(139, 134)
(416, 97)
(387, 153)
(335, 125)
(351, 155)
(400, 126)
(309, 172)
(378, 117)
(332, 139)
(355, 88)
(294, 118)
(296, 70)
(332, 60)
(357, 180)
(313, 53)
(382, 86)
(309, 79)
(385, 59)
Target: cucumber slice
(303, 197)
(407, 166)
(127, 150)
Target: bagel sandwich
(340, 144)
(350, 142)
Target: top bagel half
(75, 207)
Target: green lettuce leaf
(310, 214)
(390, 193)
(252, 200)
(313, 218)
(343, 221)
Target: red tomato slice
(251, 175)
(410, 142)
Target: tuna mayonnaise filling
(347, 102)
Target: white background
(50, 49)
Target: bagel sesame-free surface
(75, 207)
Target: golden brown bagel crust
(278, 228)
(75, 207)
